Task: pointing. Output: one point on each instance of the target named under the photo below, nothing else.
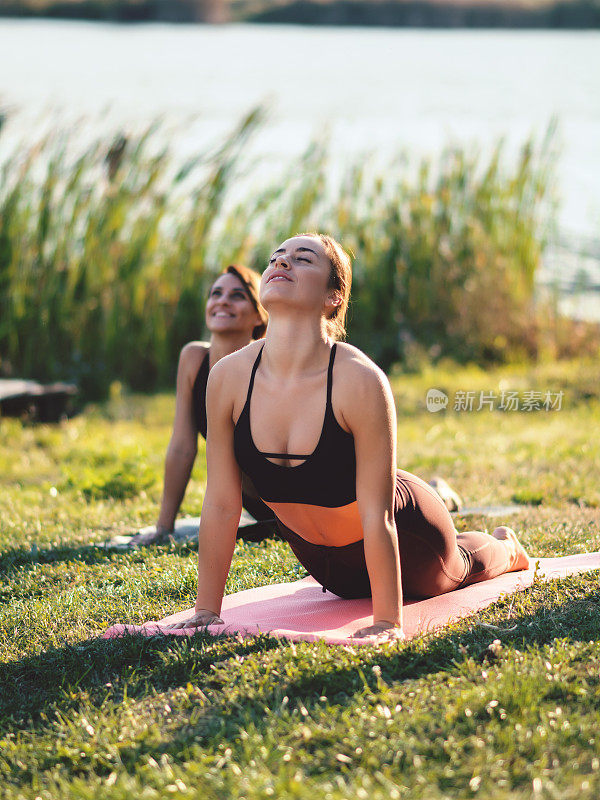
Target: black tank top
(199, 396)
(316, 499)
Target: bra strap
(291, 456)
(253, 374)
(330, 374)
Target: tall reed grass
(106, 255)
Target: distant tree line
(569, 14)
(119, 10)
(574, 14)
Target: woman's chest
(288, 419)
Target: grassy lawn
(442, 716)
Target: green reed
(106, 256)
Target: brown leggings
(434, 558)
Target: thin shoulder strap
(253, 374)
(206, 362)
(330, 374)
(203, 370)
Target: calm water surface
(380, 90)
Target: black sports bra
(199, 396)
(327, 477)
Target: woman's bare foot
(519, 558)
(451, 499)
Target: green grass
(442, 716)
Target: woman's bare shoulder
(190, 359)
(194, 351)
(196, 346)
(236, 366)
(355, 366)
(361, 390)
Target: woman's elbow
(378, 524)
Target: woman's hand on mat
(200, 619)
(381, 631)
(151, 535)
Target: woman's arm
(222, 505)
(370, 413)
(183, 444)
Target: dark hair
(340, 279)
(250, 280)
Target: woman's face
(298, 275)
(229, 309)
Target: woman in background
(234, 317)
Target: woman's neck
(223, 344)
(295, 346)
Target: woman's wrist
(206, 611)
(162, 528)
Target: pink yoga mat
(302, 612)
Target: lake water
(378, 90)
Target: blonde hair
(340, 279)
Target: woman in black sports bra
(234, 317)
(316, 433)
